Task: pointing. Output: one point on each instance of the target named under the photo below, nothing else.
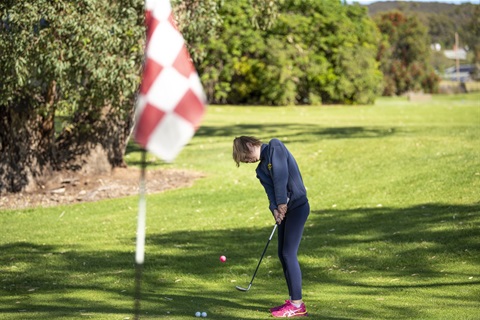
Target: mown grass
(393, 232)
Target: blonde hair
(241, 149)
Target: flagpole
(161, 128)
(141, 225)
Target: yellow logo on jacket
(269, 166)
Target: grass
(393, 232)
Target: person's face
(250, 158)
(253, 155)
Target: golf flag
(171, 101)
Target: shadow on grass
(278, 130)
(341, 248)
(296, 131)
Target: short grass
(393, 232)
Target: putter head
(243, 289)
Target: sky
(443, 1)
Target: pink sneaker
(287, 302)
(290, 311)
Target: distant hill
(425, 7)
(442, 19)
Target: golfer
(279, 174)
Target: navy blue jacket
(279, 174)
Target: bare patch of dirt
(69, 188)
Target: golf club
(258, 265)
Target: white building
(459, 54)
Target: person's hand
(282, 208)
(278, 216)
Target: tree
(228, 71)
(442, 19)
(440, 28)
(197, 20)
(314, 51)
(70, 75)
(471, 33)
(405, 60)
(331, 48)
(359, 77)
(71, 70)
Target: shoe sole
(297, 315)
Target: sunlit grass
(393, 232)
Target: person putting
(279, 174)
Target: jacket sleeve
(271, 196)
(279, 170)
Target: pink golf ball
(223, 258)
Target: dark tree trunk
(31, 153)
(96, 144)
(26, 140)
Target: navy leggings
(289, 236)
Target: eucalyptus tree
(71, 70)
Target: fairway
(394, 229)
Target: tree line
(323, 51)
(71, 69)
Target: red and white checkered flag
(171, 101)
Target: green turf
(393, 232)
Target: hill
(425, 7)
(442, 19)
